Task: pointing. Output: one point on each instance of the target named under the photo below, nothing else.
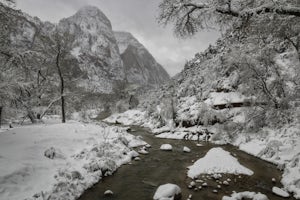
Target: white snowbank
(281, 147)
(167, 192)
(78, 156)
(130, 117)
(248, 195)
(170, 135)
(280, 192)
(217, 161)
(217, 98)
(166, 147)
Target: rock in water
(166, 147)
(108, 193)
(168, 191)
(186, 149)
(280, 192)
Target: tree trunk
(62, 87)
(31, 116)
(63, 109)
(0, 116)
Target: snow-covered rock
(280, 192)
(166, 147)
(168, 192)
(143, 151)
(217, 161)
(52, 153)
(186, 149)
(108, 193)
(248, 195)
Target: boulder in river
(280, 192)
(186, 150)
(168, 191)
(166, 147)
(108, 193)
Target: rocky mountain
(96, 73)
(95, 48)
(139, 65)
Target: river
(140, 179)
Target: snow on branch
(189, 16)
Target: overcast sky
(135, 16)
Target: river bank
(278, 146)
(140, 179)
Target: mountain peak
(89, 9)
(92, 12)
(125, 39)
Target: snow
(167, 192)
(186, 149)
(143, 151)
(108, 193)
(255, 145)
(76, 52)
(130, 117)
(170, 135)
(281, 147)
(166, 147)
(77, 156)
(217, 98)
(248, 195)
(217, 160)
(280, 192)
(180, 133)
(136, 142)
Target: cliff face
(95, 49)
(139, 65)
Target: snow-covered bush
(291, 176)
(272, 149)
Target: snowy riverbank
(281, 147)
(60, 161)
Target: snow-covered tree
(190, 16)
(58, 48)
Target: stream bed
(140, 179)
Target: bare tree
(60, 45)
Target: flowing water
(140, 179)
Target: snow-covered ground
(60, 161)
(129, 117)
(281, 147)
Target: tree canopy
(190, 16)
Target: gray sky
(135, 16)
